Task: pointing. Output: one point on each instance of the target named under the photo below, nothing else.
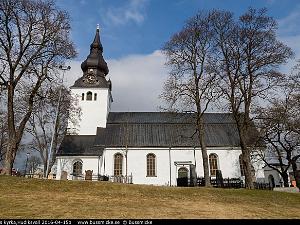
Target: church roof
(73, 145)
(154, 129)
(166, 117)
(165, 135)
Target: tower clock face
(91, 78)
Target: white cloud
(134, 11)
(290, 23)
(137, 81)
(289, 33)
(294, 43)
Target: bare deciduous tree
(32, 164)
(34, 40)
(49, 120)
(191, 86)
(249, 55)
(279, 129)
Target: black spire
(94, 67)
(96, 43)
(95, 59)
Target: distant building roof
(154, 129)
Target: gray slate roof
(73, 145)
(166, 117)
(153, 129)
(156, 129)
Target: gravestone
(88, 174)
(219, 179)
(64, 175)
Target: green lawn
(34, 198)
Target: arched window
(151, 167)
(241, 165)
(213, 164)
(82, 96)
(183, 172)
(118, 164)
(77, 168)
(89, 96)
(95, 96)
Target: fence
(232, 183)
(32, 175)
(185, 182)
(224, 183)
(181, 182)
(92, 177)
(263, 186)
(121, 179)
(117, 179)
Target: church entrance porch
(186, 173)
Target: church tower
(92, 91)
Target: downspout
(195, 181)
(170, 166)
(104, 164)
(195, 157)
(98, 165)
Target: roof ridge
(123, 122)
(172, 112)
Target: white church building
(141, 147)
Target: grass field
(33, 198)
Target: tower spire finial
(98, 27)
(95, 59)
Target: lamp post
(27, 155)
(64, 69)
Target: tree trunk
(9, 158)
(12, 145)
(45, 170)
(285, 178)
(247, 163)
(204, 155)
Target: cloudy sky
(133, 32)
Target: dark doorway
(182, 180)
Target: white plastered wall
(65, 163)
(93, 113)
(228, 163)
(166, 170)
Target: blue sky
(133, 32)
